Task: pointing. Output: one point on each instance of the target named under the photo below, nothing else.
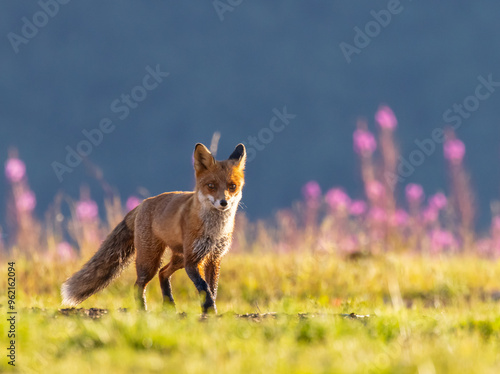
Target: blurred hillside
(231, 70)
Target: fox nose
(223, 203)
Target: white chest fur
(217, 232)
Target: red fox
(196, 226)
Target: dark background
(229, 75)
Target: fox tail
(113, 256)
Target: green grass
(427, 315)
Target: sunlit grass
(435, 314)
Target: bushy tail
(107, 263)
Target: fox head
(219, 183)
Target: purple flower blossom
(442, 239)
(337, 199)
(399, 218)
(364, 142)
(430, 214)
(311, 191)
(438, 201)
(495, 223)
(377, 214)
(385, 118)
(87, 210)
(357, 208)
(15, 170)
(26, 202)
(375, 190)
(454, 151)
(132, 202)
(414, 193)
(65, 251)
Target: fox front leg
(212, 271)
(208, 304)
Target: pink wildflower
(26, 202)
(375, 190)
(430, 214)
(132, 202)
(337, 199)
(357, 208)
(438, 201)
(364, 142)
(377, 214)
(442, 239)
(65, 251)
(15, 170)
(385, 118)
(454, 151)
(495, 223)
(87, 210)
(414, 193)
(311, 191)
(399, 218)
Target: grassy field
(333, 284)
(416, 314)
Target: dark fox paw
(209, 308)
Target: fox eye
(232, 187)
(211, 186)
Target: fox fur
(196, 226)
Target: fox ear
(239, 155)
(203, 159)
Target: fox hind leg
(149, 254)
(176, 263)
